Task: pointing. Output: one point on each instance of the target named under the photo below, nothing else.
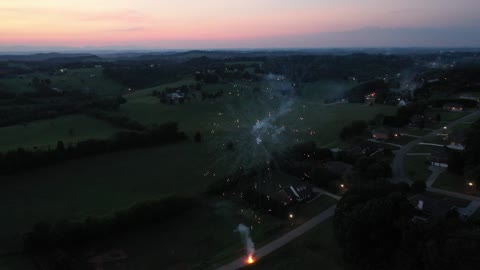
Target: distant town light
(342, 185)
(470, 184)
(290, 216)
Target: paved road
(436, 171)
(398, 162)
(285, 239)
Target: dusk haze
(182, 24)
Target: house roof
(432, 205)
(441, 153)
(457, 135)
(449, 105)
(337, 167)
(382, 130)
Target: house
(365, 148)
(439, 158)
(457, 139)
(384, 133)
(421, 120)
(284, 197)
(370, 98)
(402, 103)
(453, 107)
(429, 206)
(176, 95)
(113, 259)
(341, 169)
(301, 192)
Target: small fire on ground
(250, 259)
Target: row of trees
(12, 115)
(121, 121)
(69, 234)
(22, 159)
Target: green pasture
(46, 133)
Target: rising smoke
(247, 240)
(258, 130)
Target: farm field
(201, 116)
(100, 185)
(46, 133)
(317, 247)
(69, 80)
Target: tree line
(24, 159)
(69, 235)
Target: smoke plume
(245, 233)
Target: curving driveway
(398, 171)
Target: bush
(356, 128)
(419, 187)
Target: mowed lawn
(46, 133)
(326, 121)
(417, 168)
(100, 185)
(452, 182)
(316, 249)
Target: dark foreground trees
(375, 229)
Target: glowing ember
(250, 259)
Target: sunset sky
(185, 24)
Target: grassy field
(317, 249)
(416, 131)
(451, 181)
(416, 168)
(401, 140)
(101, 185)
(322, 90)
(450, 116)
(72, 79)
(46, 133)
(326, 121)
(305, 115)
(419, 148)
(436, 139)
